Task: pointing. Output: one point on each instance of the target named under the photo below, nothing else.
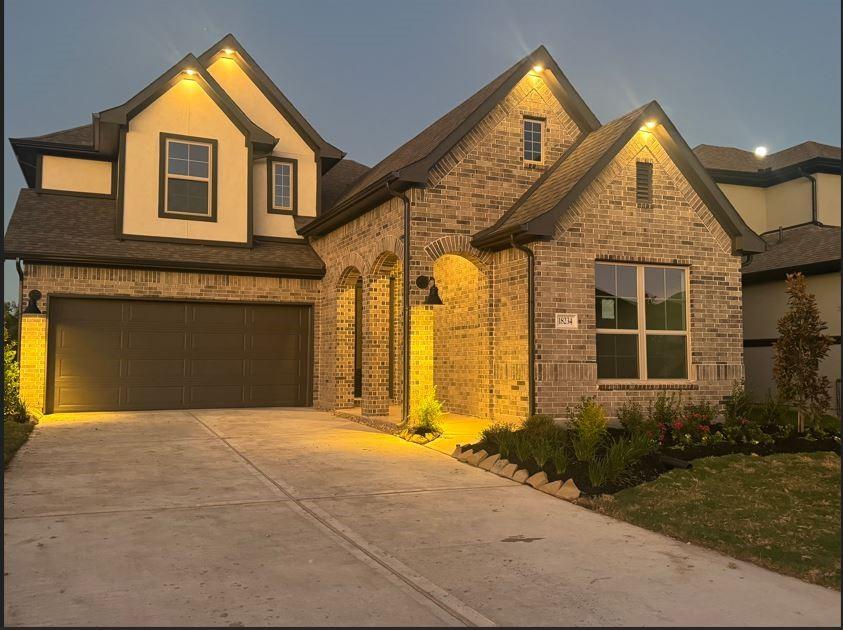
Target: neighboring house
(791, 198)
(203, 246)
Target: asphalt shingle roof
(733, 159)
(57, 227)
(567, 171)
(336, 181)
(429, 138)
(81, 136)
(799, 246)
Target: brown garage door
(138, 354)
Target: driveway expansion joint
(450, 608)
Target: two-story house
(792, 199)
(202, 245)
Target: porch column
(33, 361)
(376, 347)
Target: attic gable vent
(644, 184)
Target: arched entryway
(462, 336)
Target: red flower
(678, 425)
(704, 428)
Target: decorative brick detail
(458, 244)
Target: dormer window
(188, 178)
(283, 184)
(533, 132)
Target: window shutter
(644, 184)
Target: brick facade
(606, 224)
(475, 347)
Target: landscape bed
(605, 460)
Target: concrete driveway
(295, 517)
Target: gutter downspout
(20, 306)
(405, 306)
(531, 324)
(814, 211)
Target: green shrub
(588, 424)
(522, 446)
(620, 455)
(506, 443)
(772, 412)
(542, 447)
(559, 457)
(13, 407)
(539, 423)
(427, 417)
(495, 434)
(737, 404)
(632, 417)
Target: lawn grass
(14, 435)
(779, 511)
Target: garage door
(138, 354)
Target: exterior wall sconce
(432, 299)
(32, 306)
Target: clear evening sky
(370, 74)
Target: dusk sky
(369, 75)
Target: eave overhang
(770, 177)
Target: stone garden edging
(567, 491)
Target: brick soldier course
(475, 203)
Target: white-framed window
(188, 171)
(282, 185)
(533, 140)
(642, 322)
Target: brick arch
(459, 245)
(352, 263)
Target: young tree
(798, 353)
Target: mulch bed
(651, 466)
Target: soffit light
(228, 51)
(190, 72)
(538, 68)
(760, 152)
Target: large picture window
(282, 189)
(188, 167)
(642, 322)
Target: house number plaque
(567, 320)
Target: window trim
(641, 330)
(271, 208)
(543, 125)
(163, 177)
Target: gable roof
(123, 113)
(409, 164)
(535, 214)
(733, 165)
(275, 96)
(809, 248)
(74, 229)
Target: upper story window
(533, 140)
(188, 186)
(644, 184)
(642, 322)
(282, 193)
